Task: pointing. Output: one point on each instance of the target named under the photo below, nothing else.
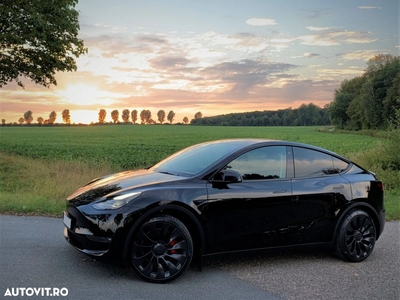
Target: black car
(226, 196)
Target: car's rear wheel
(161, 249)
(356, 237)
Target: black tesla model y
(226, 196)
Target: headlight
(116, 201)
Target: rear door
(318, 192)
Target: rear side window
(311, 163)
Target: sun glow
(81, 94)
(84, 116)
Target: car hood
(116, 183)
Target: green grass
(392, 204)
(41, 166)
(37, 186)
(129, 147)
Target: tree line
(305, 115)
(369, 101)
(28, 118)
(145, 116)
(127, 117)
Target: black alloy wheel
(356, 237)
(161, 249)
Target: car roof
(259, 141)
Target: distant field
(136, 146)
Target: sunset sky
(215, 57)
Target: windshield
(195, 159)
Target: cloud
(260, 22)
(316, 14)
(310, 55)
(313, 28)
(240, 77)
(337, 37)
(151, 39)
(339, 73)
(111, 28)
(168, 63)
(307, 55)
(370, 7)
(364, 55)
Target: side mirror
(227, 176)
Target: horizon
(213, 58)
(108, 120)
(94, 117)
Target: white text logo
(39, 291)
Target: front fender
(175, 209)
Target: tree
(391, 103)
(115, 115)
(161, 116)
(125, 115)
(134, 116)
(198, 115)
(185, 120)
(370, 100)
(171, 116)
(66, 116)
(380, 74)
(348, 91)
(356, 115)
(3, 122)
(102, 115)
(28, 117)
(40, 120)
(21, 120)
(145, 116)
(52, 117)
(38, 39)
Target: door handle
(338, 187)
(279, 192)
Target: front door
(254, 213)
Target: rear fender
(379, 223)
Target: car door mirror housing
(227, 176)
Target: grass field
(139, 146)
(41, 166)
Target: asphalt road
(34, 255)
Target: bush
(384, 160)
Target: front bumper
(80, 234)
(84, 244)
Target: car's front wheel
(161, 249)
(356, 237)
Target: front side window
(195, 159)
(310, 163)
(261, 163)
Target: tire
(356, 237)
(161, 249)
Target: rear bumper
(382, 221)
